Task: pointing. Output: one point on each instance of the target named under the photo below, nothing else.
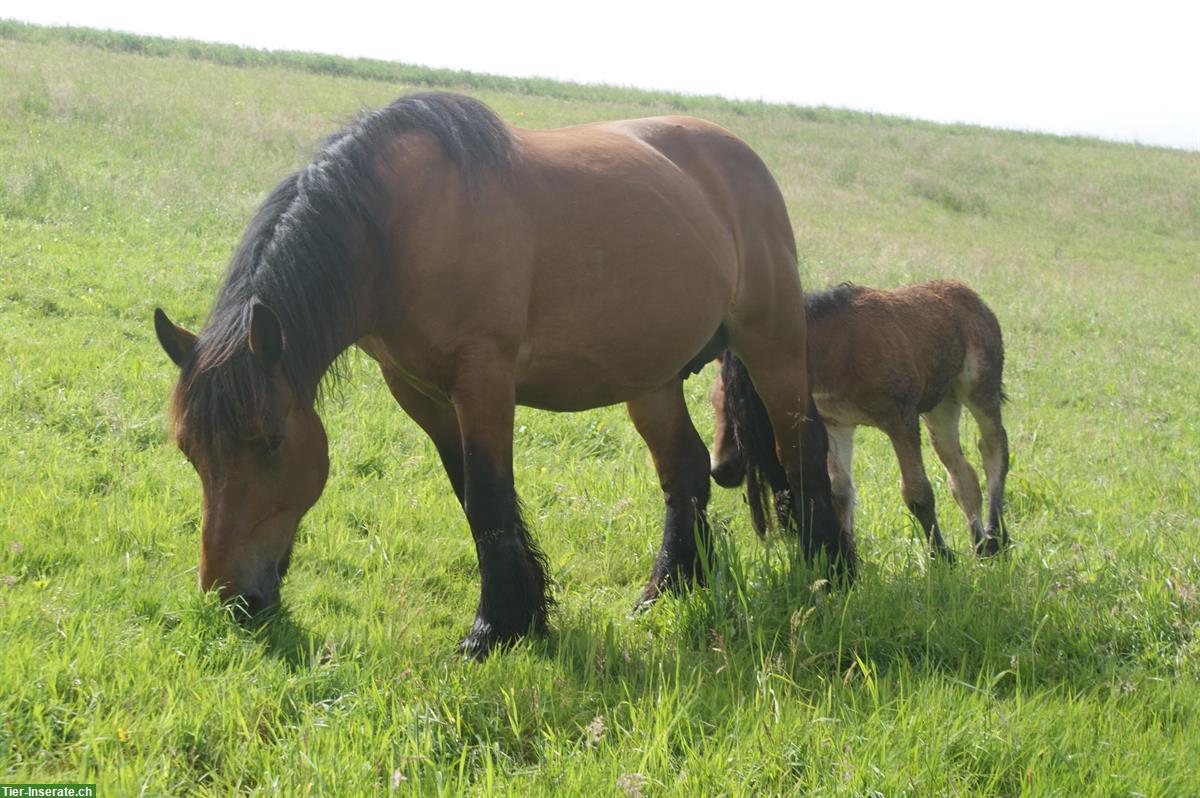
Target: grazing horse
(484, 266)
(883, 358)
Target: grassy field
(128, 169)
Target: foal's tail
(766, 481)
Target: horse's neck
(341, 331)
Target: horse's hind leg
(942, 423)
(801, 447)
(681, 460)
(513, 598)
(993, 448)
(905, 434)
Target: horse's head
(258, 446)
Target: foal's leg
(681, 459)
(942, 423)
(513, 597)
(905, 434)
(841, 476)
(439, 422)
(993, 447)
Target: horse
(483, 266)
(883, 359)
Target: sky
(1128, 71)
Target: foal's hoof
(990, 546)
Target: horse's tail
(766, 481)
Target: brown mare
(485, 266)
(885, 358)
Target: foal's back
(871, 350)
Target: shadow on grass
(283, 638)
(997, 624)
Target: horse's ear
(175, 340)
(266, 336)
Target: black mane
(297, 257)
(832, 299)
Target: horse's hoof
(483, 640)
(674, 579)
(943, 555)
(476, 647)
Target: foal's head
(257, 444)
(726, 463)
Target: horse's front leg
(439, 422)
(513, 597)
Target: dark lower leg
(686, 550)
(513, 595)
(919, 501)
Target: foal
(883, 358)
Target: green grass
(129, 167)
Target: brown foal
(883, 359)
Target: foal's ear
(175, 340)
(266, 336)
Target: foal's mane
(297, 258)
(822, 303)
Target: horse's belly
(607, 330)
(588, 378)
(569, 393)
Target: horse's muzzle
(250, 604)
(255, 603)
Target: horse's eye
(272, 443)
